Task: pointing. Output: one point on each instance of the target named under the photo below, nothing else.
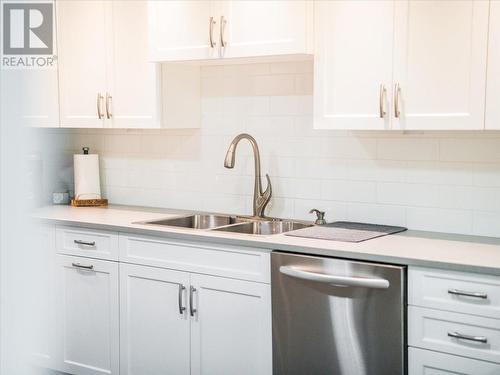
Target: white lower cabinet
(453, 323)
(231, 327)
(180, 323)
(166, 315)
(426, 362)
(87, 308)
(154, 324)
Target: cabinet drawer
(425, 362)
(228, 261)
(432, 329)
(454, 291)
(87, 243)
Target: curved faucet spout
(260, 198)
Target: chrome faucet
(260, 198)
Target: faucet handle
(269, 190)
(320, 216)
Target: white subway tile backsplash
(274, 85)
(470, 150)
(441, 181)
(408, 194)
(487, 175)
(122, 144)
(348, 191)
(486, 224)
(376, 213)
(376, 170)
(439, 173)
(349, 147)
(408, 149)
(439, 220)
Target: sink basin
(264, 227)
(199, 221)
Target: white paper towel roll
(87, 182)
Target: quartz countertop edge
(412, 248)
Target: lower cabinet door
(230, 327)
(87, 301)
(426, 362)
(154, 324)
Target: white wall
(447, 181)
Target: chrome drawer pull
(78, 265)
(467, 294)
(86, 243)
(382, 92)
(109, 98)
(211, 24)
(397, 91)
(181, 290)
(460, 336)
(192, 310)
(222, 30)
(99, 104)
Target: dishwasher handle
(376, 283)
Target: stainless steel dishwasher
(337, 317)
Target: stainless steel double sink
(234, 224)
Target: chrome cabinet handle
(458, 292)
(211, 32)
(181, 292)
(87, 267)
(461, 336)
(397, 91)
(362, 282)
(108, 106)
(382, 92)
(192, 310)
(99, 105)
(222, 29)
(86, 243)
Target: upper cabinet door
(440, 64)
(230, 327)
(493, 77)
(154, 324)
(264, 28)
(353, 64)
(132, 97)
(180, 30)
(81, 29)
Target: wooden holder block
(89, 202)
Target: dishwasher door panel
(337, 317)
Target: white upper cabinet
(180, 30)
(430, 56)
(135, 82)
(106, 78)
(353, 64)
(493, 76)
(81, 30)
(264, 28)
(201, 30)
(33, 96)
(440, 64)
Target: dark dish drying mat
(346, 231)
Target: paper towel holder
(88, 202)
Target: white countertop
(468, 253)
